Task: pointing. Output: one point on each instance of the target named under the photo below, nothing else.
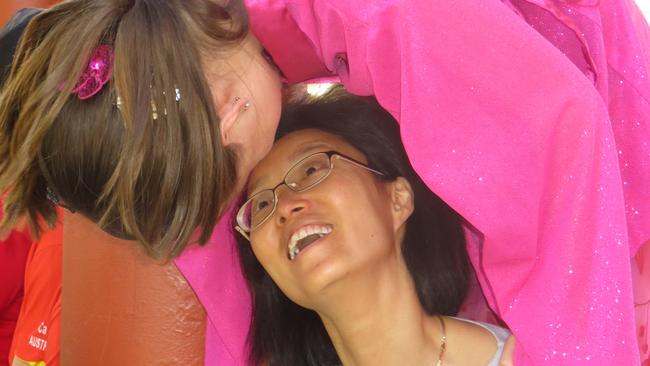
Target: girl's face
(246, 74)
(344, 225)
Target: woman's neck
(375, 318)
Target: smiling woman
(352, 259)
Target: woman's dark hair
(153, 177)
(283, 333)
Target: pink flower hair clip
(97, 73)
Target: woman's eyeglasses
(305, 174)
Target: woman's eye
(267, 56)
(312, 169)
(261, 205)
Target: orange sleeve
(36, 339)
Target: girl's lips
(305, 236)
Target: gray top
(500, 334)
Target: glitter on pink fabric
(97, 74)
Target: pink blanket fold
(530, 118)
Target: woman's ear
(229, 113)
(227, 98)
(402, 201)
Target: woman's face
(245, 74)
(349, 214)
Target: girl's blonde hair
(158, 177)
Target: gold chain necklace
(443, 341)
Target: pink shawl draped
(531, 118)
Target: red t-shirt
(37, 336)
(13, 256)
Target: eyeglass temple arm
(242, 232)
(358, 164)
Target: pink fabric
(619, 68)
(542, 148)
(301, 63)
(609, 41)
(215, 274)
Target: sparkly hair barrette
(97, 73)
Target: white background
(644, 5)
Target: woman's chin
(319, 275)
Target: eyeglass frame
(330, 154)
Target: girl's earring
(245, 106)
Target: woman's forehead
(291, 149)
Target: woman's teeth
(305, 236)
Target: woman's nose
(290, 203)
